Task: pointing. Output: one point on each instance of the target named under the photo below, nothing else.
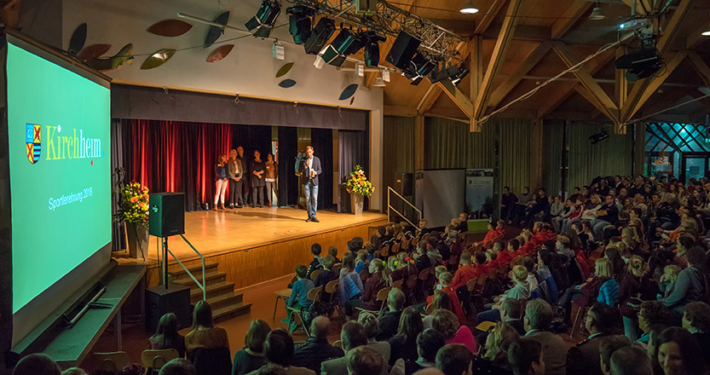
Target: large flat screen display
(60, 171)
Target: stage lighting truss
(439, 43)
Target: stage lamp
(299, 23)
(379, 82)
(455, 73)
(469, 8)
(346, 43)
(371, 41)
(706, 32)
(265, 18)
(462, 73)
(319, 36)
(419, 67)
(640, 64)
(597, 14)
(596, 138)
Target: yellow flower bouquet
(133, 205)
(358, 183)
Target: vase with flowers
(359, 187)
(133, 211)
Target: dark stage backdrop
(171, 156)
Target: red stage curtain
(172, 156)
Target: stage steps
(226, 304)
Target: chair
(398, 284)
(113, 361)
(282, 294)
(314, 274)
(381, 297)
(581, 311)
(215, 361)
(453, 262)
(332, 289)
(405, 245)
(414, 241)
(338, 344)
(396, 247)
(337, 267)
(411, 282)
(154, 360)
(424, 274)
(503, 270)
(430, 309)
(313, 295)
(514, 261)
(385, 252)
(364, 275)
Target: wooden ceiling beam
(502, 44)
(596, 93)
(488, 18)
(522, 32)
(569, 18)
(458, 97)
(428, 100)
(621, 84)
(669, 31)
(563, 93)
(520, 71)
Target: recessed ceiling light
(469, 8)
(706, 32)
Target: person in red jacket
(480, 260)
(465, 273)
(493, 234)
(506, 255)
(445, 280)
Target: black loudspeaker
(166, 214)
(406, 184)
(403, 49)
(319, 36)
(160, 301)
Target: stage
(254, 245)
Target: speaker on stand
(167, 218)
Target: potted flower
(359, 187)
(133, 210)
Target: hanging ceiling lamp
(597, 14)
(469, 8)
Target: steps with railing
(220, 294)
(391, 208)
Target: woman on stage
(272, 171)
(221, 181)
(258, 168)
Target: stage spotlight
(454, 73)
(462, 73)
(597, 14)
(371, 41)
(264, 20)
(319, 36)
(419, 67)
(379, 82)
(299, 23)
(596, 138)
(403, 49)
(346, 43)
(641, 64)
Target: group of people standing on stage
(258, 175)
(233, 170)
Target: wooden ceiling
(515, 45)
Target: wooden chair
(424, 274)
(452, 263)
(414, 241)
(364, 275)
(281, 295)
(405, 245)
(313, 295)
(398, 284)
(381, 297)
(396, 248)
(430, 309)
(581, 312)
(385, 252)
(503, 270)
(314, 274)
(515, 261)
(332, 289)
(411, 282)
(154, 360)
(337, 267)
(338, 344)
(113, 361)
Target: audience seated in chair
(279, 350)
(316, 349)
(36, 364)
(538, 317)
(167, 336)
(454, 360)
(204, 334)
(178, 366)
(526, 357)
(389, 319)
(252, 356)
(352, 336)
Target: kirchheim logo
(60, 144)
(34, 142)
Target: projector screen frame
(44, 304)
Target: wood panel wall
(267, 262)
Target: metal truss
(389, 20)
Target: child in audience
(317, 262)
(362, 262)
(299, 294)
(371, 252)
(334, 252)
(506, 256)
(445, 279)
(670, 275)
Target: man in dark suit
(538, 316)
(310, 170)
(584, 357)
(316, 350)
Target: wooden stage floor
(259, 244)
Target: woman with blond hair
(609, 290)
(495, 357)
(585, 294)
(221, 181)
(636, 286)
(520, 291)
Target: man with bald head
(316, 349)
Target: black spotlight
(346, 43)
(264, 20)
(642, 63)
(371, 41)
(299, 22)
(419, 67)
(596, 138)
(319, 36)
(462, 73)
(403, 49)
(455, 73)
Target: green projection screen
(60, 171)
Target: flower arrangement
(358, 183)
(133, 205)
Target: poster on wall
(479, 186)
